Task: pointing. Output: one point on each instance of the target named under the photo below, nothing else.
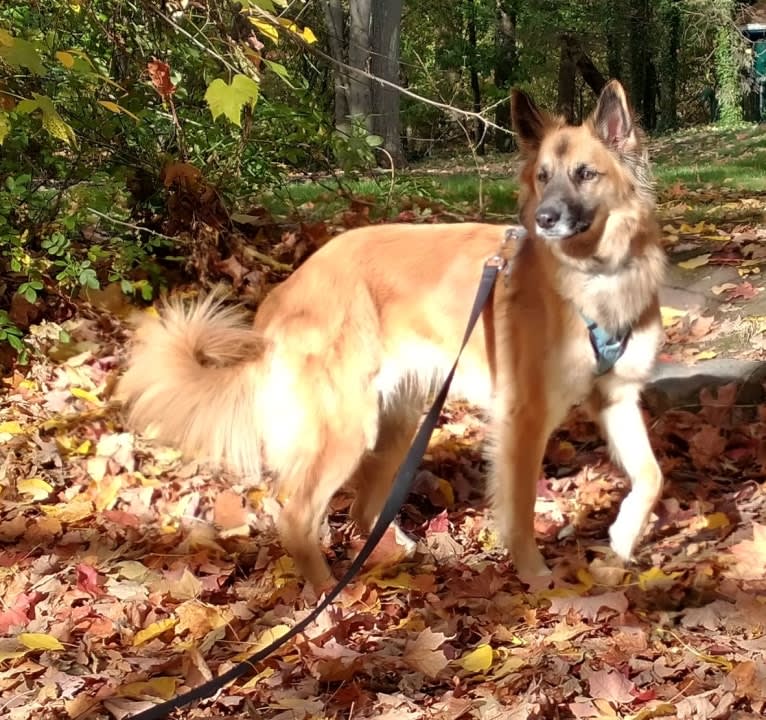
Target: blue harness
(607, 348)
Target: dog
(327, 385)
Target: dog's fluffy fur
(327, 386)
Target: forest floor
(128, 574)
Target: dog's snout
(547, 216)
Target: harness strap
(399, 492)
(607, 348)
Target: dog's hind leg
(321, 454)
(621, 420)
(375, 474)
(309, 493)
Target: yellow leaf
(656, 578)
(308, 35)
(706, 355)
(695, 262)
(402, 581)
(36, 487)
(161, 687)
(655, 711)
(716, 520)
(154, 630)
(267, 29)
(670, 315)
(11, 654)
(117, 109)
(66, 59)
(584, 576)
(84, 394)
(446, 489)
(477, 660)
(78, 508)
(10, 427)
(40, 641)
(106, 491)
(267, 637)
(263, 675)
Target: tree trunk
(386, 37)
(335, 22)
(506, 60)
(671, 21)
(615, 24)
(726, 64)
(479, 128)
(643, 85)
(565, 104)
(360, 88)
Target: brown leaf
(159, 74)
(229, 511)
(706, 446)
(423, 654)
(610, 685)
(589, 606)
(750, 555)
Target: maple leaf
(589, 606)
(745, 291)
(748, 679)
(750, 555)
(423, 654)
(709, 616)
(610, 685)
(706, 446)
(19, 613)
(88, 580)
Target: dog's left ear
(529, 122)
(613, 118)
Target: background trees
(161, 115)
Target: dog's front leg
(520, 444)
(621, 420)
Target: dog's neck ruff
(607, 348)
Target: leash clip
(497, 261)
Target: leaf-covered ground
(128, 575)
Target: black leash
(399, 492)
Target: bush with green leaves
(94, 94)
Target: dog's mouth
(562, 231)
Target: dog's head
(575, 177)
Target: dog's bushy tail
(192, 383)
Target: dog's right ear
(529, 122)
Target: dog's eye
(585, 173)
(542, 175)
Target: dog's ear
(529, 122)
(613, 119)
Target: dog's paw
(531, 564)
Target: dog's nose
(547, 217)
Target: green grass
(703, 168)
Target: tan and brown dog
(327, 386)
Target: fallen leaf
(36, 487)
(154, 630)
(477, 660)
(39, 641)
(695, 262)
(656, 578)
(750, 555)
(610, 685)
(423, 654)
